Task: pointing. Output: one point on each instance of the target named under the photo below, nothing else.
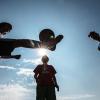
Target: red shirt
(45, 76)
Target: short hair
(45, 58)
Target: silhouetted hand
(57, 87)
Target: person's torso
(46, 75)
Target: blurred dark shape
(94, 35)
(46, 36)
(99, 47)
(8, 45)
(5, 27)
(11, 56)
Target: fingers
(57, 87)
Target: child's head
(45, 59)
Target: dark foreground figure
(46, 36)
(95, 36)
(46, 81)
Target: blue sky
(76, 58)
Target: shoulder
(39, 65)
(51, 67)
(37, 68)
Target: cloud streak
(7, 67)
(76, 97)
(18, 92)
(25, 71)
(35, 62)
(14, 92)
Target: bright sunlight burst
(42, 52)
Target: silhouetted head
(45, 59)
(46, 35)
(5, 27)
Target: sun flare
(42, 52)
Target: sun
(42, 52)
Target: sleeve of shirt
(36, 70)
(53, 70)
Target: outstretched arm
(8, 45)
(55, 83)
(11, 56)
(27, 43)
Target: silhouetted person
(46, 81)
(95, 36)
(8, 45)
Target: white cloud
(18, 92)
(7, 67)
(18, 65)
(25, 71)
(76, 97)
(15, 92)
(35, 61)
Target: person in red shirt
(46, 80)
